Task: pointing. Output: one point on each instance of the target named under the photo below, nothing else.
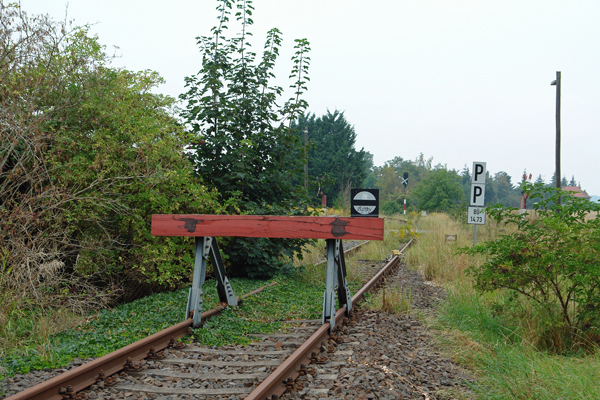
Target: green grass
(393, 300)
(289, 299)
(108, 330)
(506, 366)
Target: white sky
(459, 81)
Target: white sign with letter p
(478, 185)
(478, 173)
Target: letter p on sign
(478, 173)
(478, 184)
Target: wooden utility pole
(557, 84)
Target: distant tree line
(437, 188)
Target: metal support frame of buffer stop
(205, 228)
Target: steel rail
(90, 373)
(378, 276)
(275, 384)
(80, 378)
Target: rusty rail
(101, 368)
(275, 384)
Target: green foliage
(440, 191)
(389, 179)
(87, 154)
(333, 162)
(242, 144)
(392, 207)
(288, 299)
(107, 331)
(552, 260)
(121, 145)
(112, 329)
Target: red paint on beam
(268, 226)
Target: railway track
(158, 366)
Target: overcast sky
(459, 81)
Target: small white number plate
(476, 215)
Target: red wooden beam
(268, 226)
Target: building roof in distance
(577, 192)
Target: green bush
(392, 207)
(87, 154)
(552, 260)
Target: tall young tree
(243, 143)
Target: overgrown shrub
(392, 207)
(552, 260)
(87, 155)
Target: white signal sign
(364, 202)
(478, 173)
(478, 185)
(476, 216)
(477, 195)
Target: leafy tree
(332, 153)
(370, 180)
(552, 259)
(440, 191)
(243, 145)
(465, 181)
(506, 193)
(389, 183)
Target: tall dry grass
(313, 261)
(435, 256)
(36, 301)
